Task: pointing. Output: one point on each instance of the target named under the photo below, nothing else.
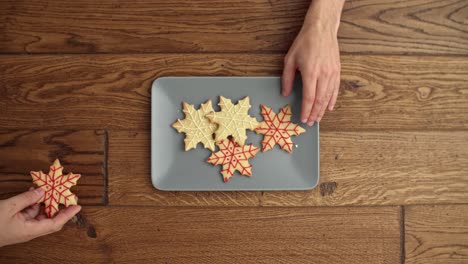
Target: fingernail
(304, 120)
(39, 191)
(311, 123)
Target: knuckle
(29, 196)
(314, 72)
(287, 60)
(320, 102)
(310, 70)
(309, 99)
(326, 71)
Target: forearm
(324, 15)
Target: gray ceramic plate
(174, 169)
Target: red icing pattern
(233, 157)
(56, 187)
(278, 128)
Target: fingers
(44, 225)
(66, 214)
(309, 83)
(320, 101)
(331, 85)
(326, 95)
(31, 212)
(336, 91)
(287, 79)
(41, 215)
(21, 201)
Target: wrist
(324, 16)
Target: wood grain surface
(357, 168)
(75, 84)
(436, 234)
(244, 26)
(113, 91)
(220, 235)
(81, 152)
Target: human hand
(21, 218)
(315, 53)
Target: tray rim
(154, 85)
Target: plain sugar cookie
(196, 126)
(233, 120)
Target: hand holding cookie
(22, 220)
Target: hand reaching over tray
(315, 53)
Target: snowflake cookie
(233, 157)
(56, 188)
(233, 120)
(278, 128)
(196, 126)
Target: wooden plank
(86, 26)
(404, 27)
(79, 152)
(357, 168)
(436, 234)
(205, 235)
(113, 91)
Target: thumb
(21, 201)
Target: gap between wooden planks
(220, 235)
(357, 168)
(243, 26)
(113, 91)
(436, 234)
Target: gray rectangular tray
(173, 169)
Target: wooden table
(75, 80)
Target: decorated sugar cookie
(233, 120)
(196, 126)
(233, 158)
(278, 128)
(56, 187)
